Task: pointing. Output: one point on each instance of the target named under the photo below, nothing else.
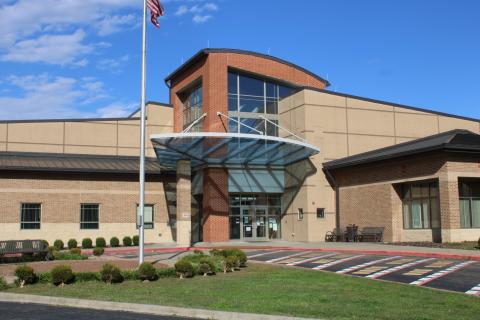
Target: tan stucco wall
(343, 126)
(104, 137)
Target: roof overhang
(229, 149)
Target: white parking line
(441, 273)
(366, 264)
(264, 253)
(475, 291)
(285, 257)
(400, 267)
(312, 259)
(329, 264)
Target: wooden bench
(22, 247)
(371, 234)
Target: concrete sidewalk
(138, 308)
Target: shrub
(87, 243)
(68, 256)
(62, 274)
(146, 271)
(478, 244)
(58, 244)
(127, 241)
(230, 264)
(51, 252)
(135, 240)
(184, 269)
(3, 284)
(45, 277)
(98, 251)
(45, 243)
(206, 266)
(25, 275)
(110, 274)
(72, 243)
(240, 254)
(100, 242)
(87, 276)
(114, 242)
(216, 252)
(76, 251)
(166, 273)
(130, 275)
(199, 252)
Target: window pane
(406, 189)
(232, 82)
(274, 200)
(272, 90)
(148, 216)
(475, 213)
(272, 130)
(257, 124)
(251, 104)
(284, 91)
(232, 125)
(416, 215)
(30, 216)
(272, 106)
(465, 213)
(232, 103)
(251, 86)
(416, 191)
(89, 216)
(407, 224)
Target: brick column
(215, 205)
(184, 203)
(449, 205)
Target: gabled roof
(56, 162)
(451, 141)
(204, 52)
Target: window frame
(83, 223)
(320, 213)
(470, 197)
(409, 200)
(151, 225)
(300, 214)
(23, 222)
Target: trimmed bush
(59, 244)
(25, 275)
(166, 273)
(98, 251)
(184, 269)
(206, 266)
(146, 271)
(72, 243)
(199, 252)
(76, 251)
(100, 242)
(130, 275)
(3, 284)
(51, 252)
(87, 243)
(135, 240)
(127, 241)
(45, 277)
(216, 252)
(111, 274)
(62, 274)
(57, 255)
(114, 242)
(230, 264)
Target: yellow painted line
(369, 270)
(417, 272)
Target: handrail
(242, 124)
(194, 123)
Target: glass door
(261, 222)
(247, 223)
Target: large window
(192, 108)
(249, 97)
(420, 205)
(147, 216)
(469, 191)
(89, 215)
(30, 215)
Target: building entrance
(255, 217)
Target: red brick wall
(215, 205)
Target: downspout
(337, 198)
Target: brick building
(236, 154)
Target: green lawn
(466, 245)
(283, 291)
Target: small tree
(184, 269)
(62, 275)
(111, 274)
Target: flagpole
(142, 138)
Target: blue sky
(72, 58)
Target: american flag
(156, 10)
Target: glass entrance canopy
(228, 149)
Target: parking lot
(446, 274)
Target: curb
(364, 251)
(138, 308)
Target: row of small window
(320, 213)
(248, 125)
(30, 216)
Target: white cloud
(113, 65)
(50, 49)
(43, 96)
(201, 18)
(206, 7)
(116, 23)
(183, 9)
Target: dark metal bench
(371, 234)
(23, 247)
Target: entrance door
(261, 222)
(247, 223)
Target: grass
(466, 245)
(282, 291)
